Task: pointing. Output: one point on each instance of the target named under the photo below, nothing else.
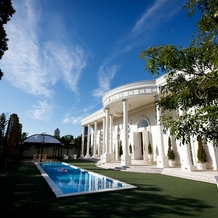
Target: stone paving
(146, 167)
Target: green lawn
(25, 193)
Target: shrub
(201, 155)
(170, 153)
(120, 149)
(149, 148)
(130, 149)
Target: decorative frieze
(130, 93)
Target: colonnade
(107, 138)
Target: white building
(129, 115)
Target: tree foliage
(207, 25)
(6, 12)
(191, 77)
(68, 141)
(12, 138)
(78, 144)
(3, 123)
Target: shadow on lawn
(25, 192)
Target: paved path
(146, 167)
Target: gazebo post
(42, 148)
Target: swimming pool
(66, 180)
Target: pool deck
(141, 166)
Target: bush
(170, 153)
(201, 155)
(130, 149)
(120, 149)
(149, 148)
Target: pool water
(67, 180)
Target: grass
(25, 193)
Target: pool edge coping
(59, 194)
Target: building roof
(42, 138)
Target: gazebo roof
(42, 138)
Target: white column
(99, 143)
(111, 137)
(117, 143)
(82, 150)
(107, 155)
(162, 160)
(95, 140)
(125, 158)
(215, 157)
(186, 155)
(88, 142)
(103, 146)
(107, 131)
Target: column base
(106, 158)
(162, 161)
(87, 156)
(188, 167)
(125, 160)
(112, 156)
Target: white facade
(129, 115)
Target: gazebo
(42, 141)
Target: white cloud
(105, 76)
(67, 61)
(72, 120)
(33, 65)
(88, 108)
(161, 11)
(22, 62)
(42, 111)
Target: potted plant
(120, 149)
(201, 155)
(130, 149)
(170, 153)
(150, 153)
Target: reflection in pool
(67, 180)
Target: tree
(191, 77)
(11, 140)
(3, 123)
(22, 147)
(6, 11)
(201, 154)
(120, 149)
(149, 148)
(170, 152)
(78, 144)
(68, 141)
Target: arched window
(143, 123)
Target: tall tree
(68, 141)
(6, 12)
(23, 136)
(191, 77)
(78, 144)
(3, 123)
(12, 139)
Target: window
(143, 124)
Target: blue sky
(64, 55)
